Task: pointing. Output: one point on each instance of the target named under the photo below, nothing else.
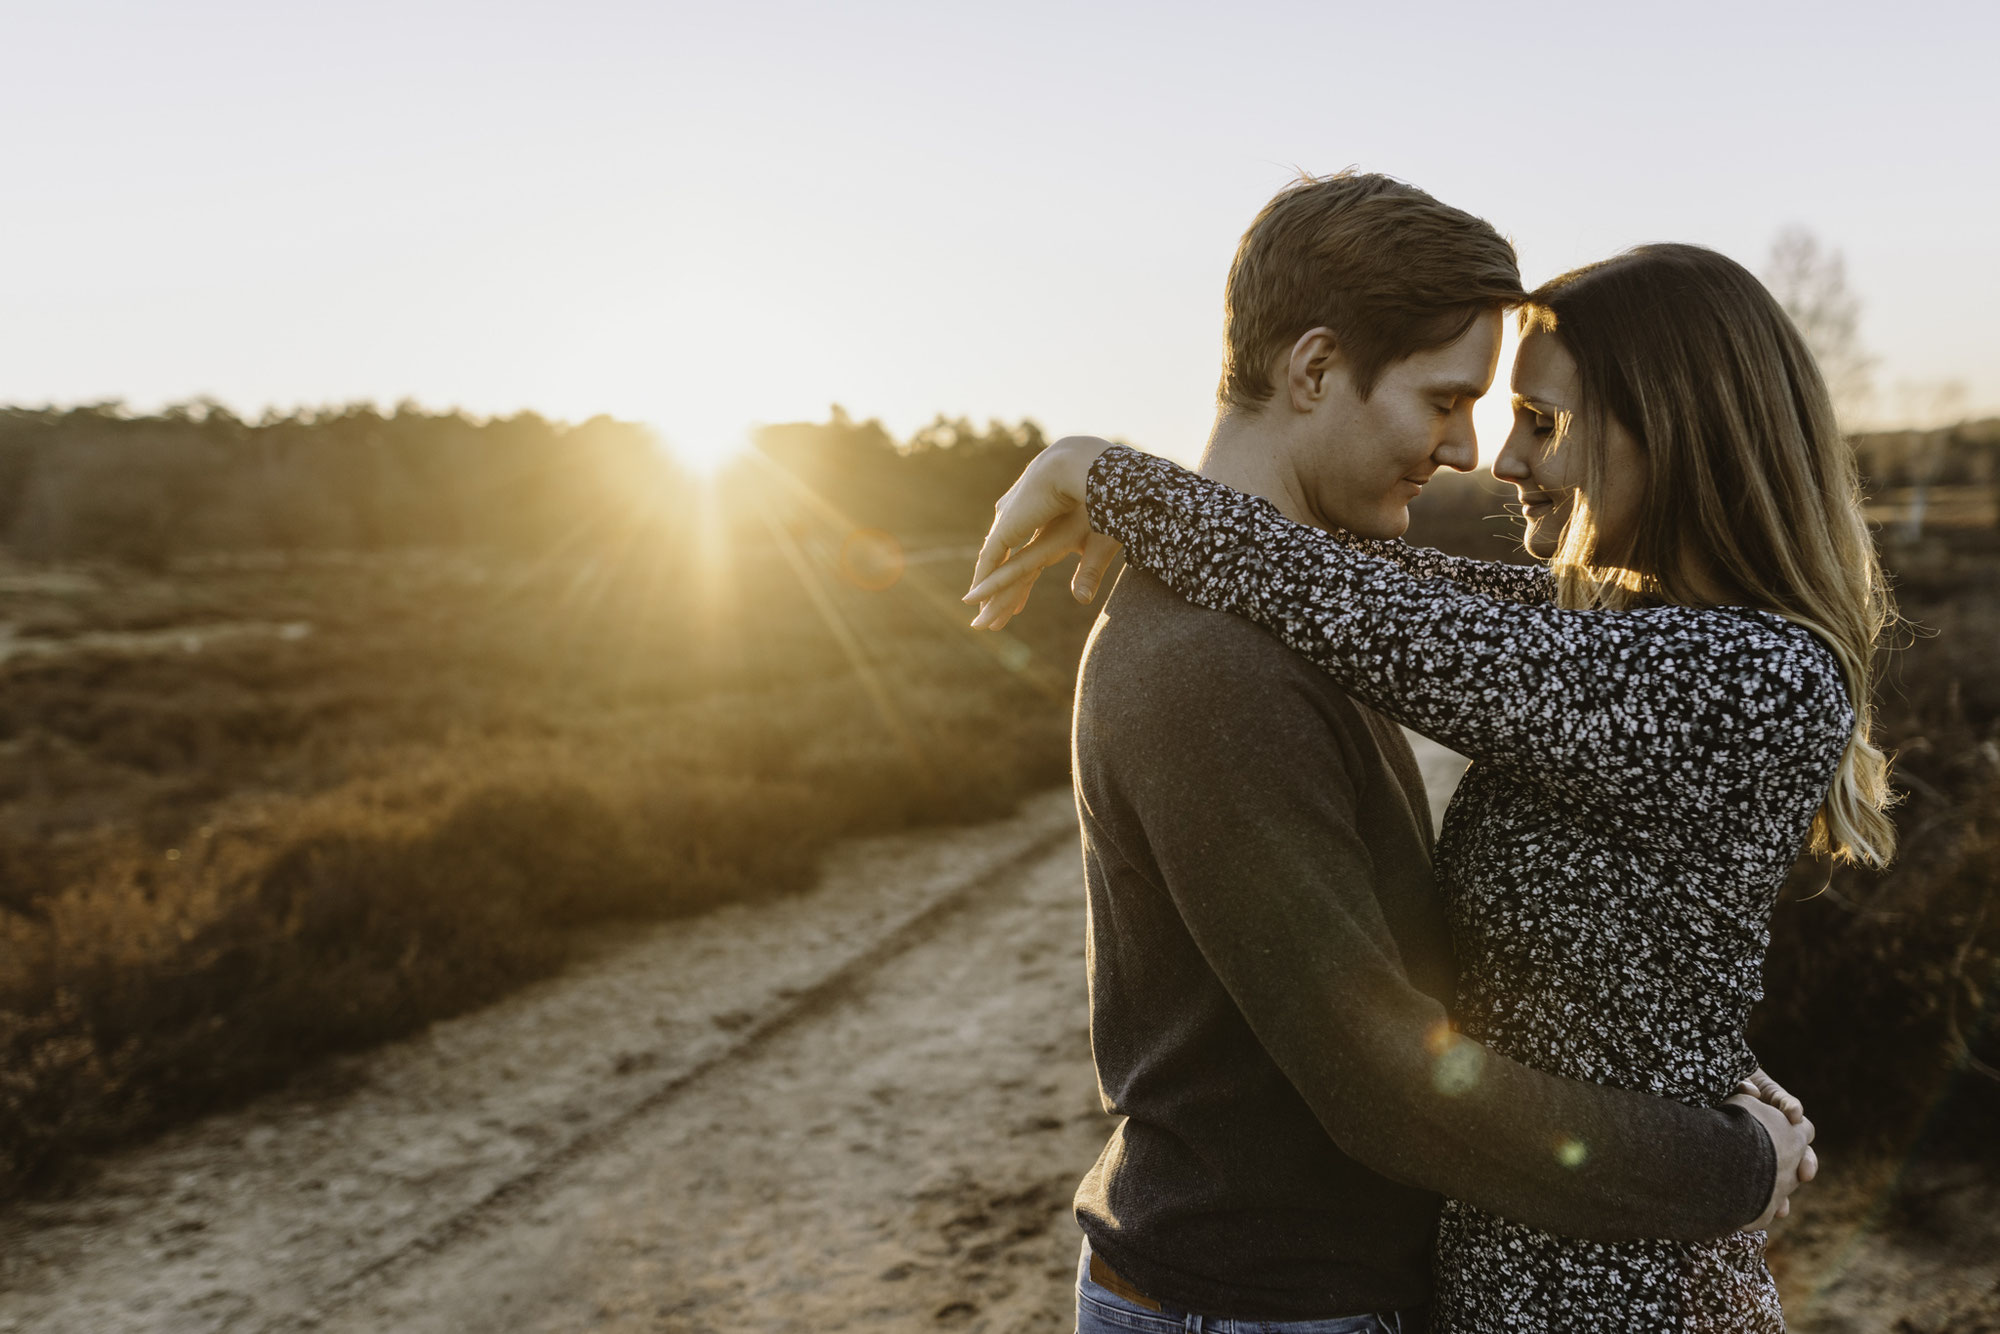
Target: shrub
(1881, 987)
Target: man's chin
(1385, 523)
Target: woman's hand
(1766, 1089)
(1761, 1095)
(1040, 521)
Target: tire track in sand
(901, 1160)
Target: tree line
(98, 482)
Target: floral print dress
(1641, 782)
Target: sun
(708, 453)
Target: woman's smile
(1536, 505)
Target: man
(1269, 960)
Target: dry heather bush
(1881, 988)
(222, 865)
(140, 995)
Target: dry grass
(219, 864)
(1882, 987)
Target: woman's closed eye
(1541, 424)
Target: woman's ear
(1308, 367)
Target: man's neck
(1246, 453)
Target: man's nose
(1459, 450)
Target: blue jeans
(1099, 1311)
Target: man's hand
(1791, 1137)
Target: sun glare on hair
(1493, 416)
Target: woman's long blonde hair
(1750, 486)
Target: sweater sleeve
(1660, 713)
(1271, 874)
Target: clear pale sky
(707, 216)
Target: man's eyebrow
(1461, 389)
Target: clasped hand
(1783, 1118)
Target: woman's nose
(1515, 462)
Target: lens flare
(871, 559)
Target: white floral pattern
(1641, 782)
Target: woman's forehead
(1544, 371)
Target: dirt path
(904, 1160)
(762, 1119)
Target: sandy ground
(863, 1108)
(1888, 1248)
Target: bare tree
(1810, 282)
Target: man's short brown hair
(1387, 268)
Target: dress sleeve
(1663, 711)
(1496, 579)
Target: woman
(1658, 723)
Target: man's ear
(1307, 369)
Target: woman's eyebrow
(1534, 404)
